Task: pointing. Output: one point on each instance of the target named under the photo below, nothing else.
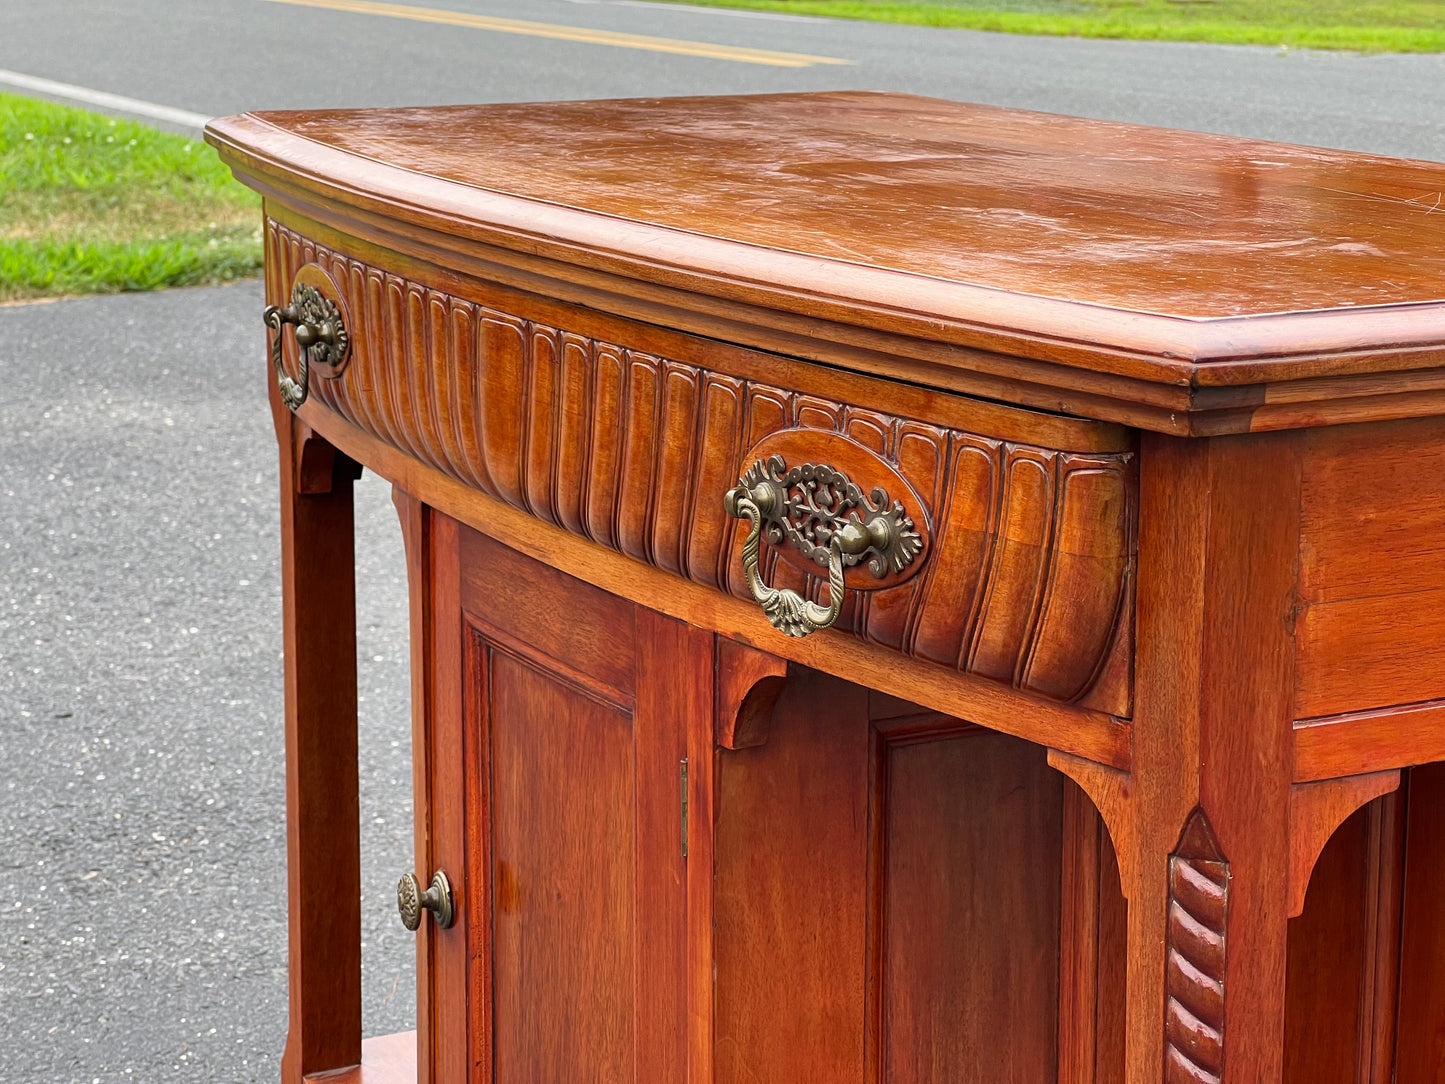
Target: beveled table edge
(1176, 350)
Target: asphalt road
(142, 872)
(142, 831)
(225, 56)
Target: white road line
(119, 102)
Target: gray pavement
(142, 830)
(225, 56)
(142, 868)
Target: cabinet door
(558, 730)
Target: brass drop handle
(828, 518)
(787, 611)
(411, 901)
(320, 338)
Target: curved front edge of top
(1287, 359)
(1028, 575)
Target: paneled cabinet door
(556, 719)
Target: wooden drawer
(630, 435)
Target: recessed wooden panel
(971, 933)
(574, 728)
(563, 865)
(1324, 971)
(1420, 1052)
(791, 846)
(588, 631)
(887, 898)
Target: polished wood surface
(385, 1059)
(573, 709)
(631, 448)
(1372, 568)
(1182, 281)
(1141, 219)
(323, 857)
(851, 940)
(1420, 1034)
(1132, 777)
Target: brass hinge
(684, 807)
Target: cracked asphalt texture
(142, 857)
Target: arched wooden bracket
(749, 683)
(1316, 810)
(319, 464)
(1111, 792)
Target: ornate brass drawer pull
(411, 901)
(828, 518)
(321, 339)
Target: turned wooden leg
(322, 817)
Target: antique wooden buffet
(1113, 457)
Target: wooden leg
(1207, 863)
(322, 817)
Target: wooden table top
(1157, 255)
(1146, 219)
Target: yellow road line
(571, 33)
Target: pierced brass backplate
(321, 338)
(828, 518)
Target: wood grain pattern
(385, 1059)
(1078, 729)
(970, 982)
(886, 902)
(1326, 965)
(1372, 565)
(575, 854)
(1195, 972)
(1092, 948)
(566, 925)
(1316, 811)
(749, 683)
(1219, 524)
(1034, 553)
(1245, 749)
(856, 886)
(323, 859)
(1191, 283)
(1359, 742)
(1420, 1035)
(1343, 971)
(790, 917)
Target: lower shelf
(386, 1059)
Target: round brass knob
(411, 901)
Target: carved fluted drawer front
(1027, 576)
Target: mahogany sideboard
(900, 591)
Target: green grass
(1402, 26)
(91, 204)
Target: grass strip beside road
(1371, 26)
(93, 204)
